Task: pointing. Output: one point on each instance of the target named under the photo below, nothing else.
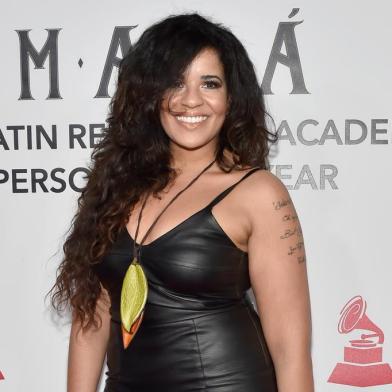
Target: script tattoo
(297, 248)
(289, 232)
(281, 203)
(289, 217)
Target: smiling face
(198, 103)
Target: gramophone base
(361, 376)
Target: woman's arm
(277, 268)
(87, 351)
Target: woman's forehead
(206, 62)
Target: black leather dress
(200, 331)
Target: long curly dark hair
(133, 156)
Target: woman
(180, 179)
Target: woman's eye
(212, 84)
(178, 84)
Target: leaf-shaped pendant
(133, 299)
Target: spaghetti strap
(221, 195)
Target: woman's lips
(191, 121)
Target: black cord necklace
(134, 286)
(137, 248)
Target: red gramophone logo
(1, 376)
(363, 365)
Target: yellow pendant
(133, 299)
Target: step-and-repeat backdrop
(326, 70)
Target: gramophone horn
(353, 317)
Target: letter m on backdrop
(27, 51)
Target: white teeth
(191, 119)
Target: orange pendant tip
(128, 336)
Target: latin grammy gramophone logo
(363, 365)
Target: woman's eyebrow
(211, 76)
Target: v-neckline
(164, 235)
(208, 207)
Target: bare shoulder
(266, 202)
(264, 190)
(272, 217)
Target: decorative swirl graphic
(354, 310)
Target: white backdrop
(341, 189)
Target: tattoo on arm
(281, 203)
(298, 250)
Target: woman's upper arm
(277, 266)
(102, 310)
(87, 350)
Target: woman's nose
(191, 96)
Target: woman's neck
(191, 161)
